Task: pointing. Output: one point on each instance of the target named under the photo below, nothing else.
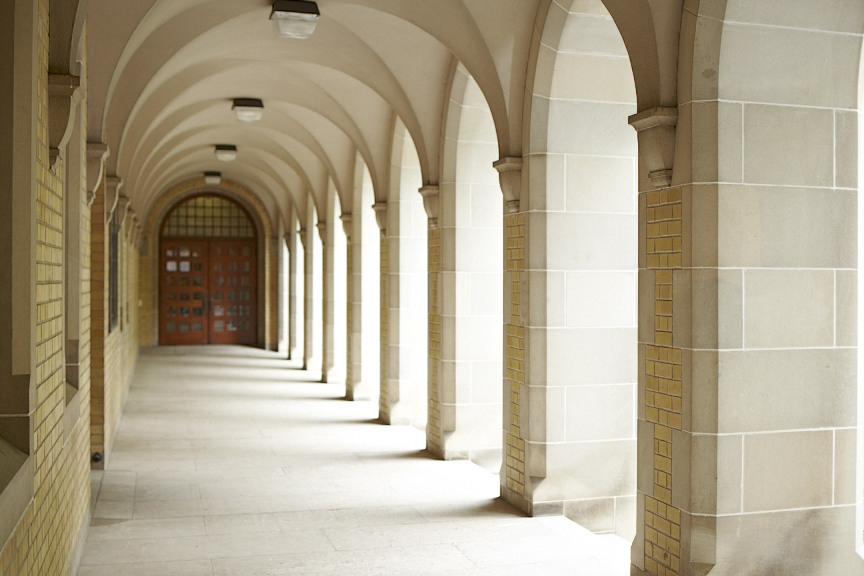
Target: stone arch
(66, 23)
(268, 261)
(404, 305)
(466, 368)
(577, 281)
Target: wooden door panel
(233, 309)
(183, 314)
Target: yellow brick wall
(384, 397)
(121, 345)
(514, 370)
(663, 383)
(98, 320)
(349, 317)
(434, 434)
(42, 543)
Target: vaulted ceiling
(162, 75)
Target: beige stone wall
(403, 284)
(363, 284)
(577, 287)
(470, 228)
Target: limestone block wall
(572, 275)
(405, 288)
(761, 464)
(470, 229)
(363, 283)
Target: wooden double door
(207, 292)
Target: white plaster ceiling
(162, 75)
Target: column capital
(64, 94)
(656, 130)
(510, 177)
(113, 184)
(381, 216)
(322, 232)
(302, 234)
(430, 203)
(97, 152)
(123, 209)
(346, 225)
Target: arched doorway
(207, 273)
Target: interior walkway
(231, 461)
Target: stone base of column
(391, 419)
(527, 506)
(357, 393)
(434, 449)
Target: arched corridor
(604, 254)
(234, 461)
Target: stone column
(514, 470)
(434, 429)
(327, 360)
(354, 256)
(387, 396)
(291, 242)
(364, 339)
(308, 240)
(349, 297)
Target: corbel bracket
(656, 130)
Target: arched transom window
(208, 216)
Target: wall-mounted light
(295, 18)
(225, 152)
(248, 109)
(212, 178)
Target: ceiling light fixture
(212, 178)
(295, 18)
(248, 109)
(225, 152)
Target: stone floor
(232, 462)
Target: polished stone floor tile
(230, 461)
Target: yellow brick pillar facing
(349, 316)
(663, 377)
(384, 398)
(434, 440)
(514, 471)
